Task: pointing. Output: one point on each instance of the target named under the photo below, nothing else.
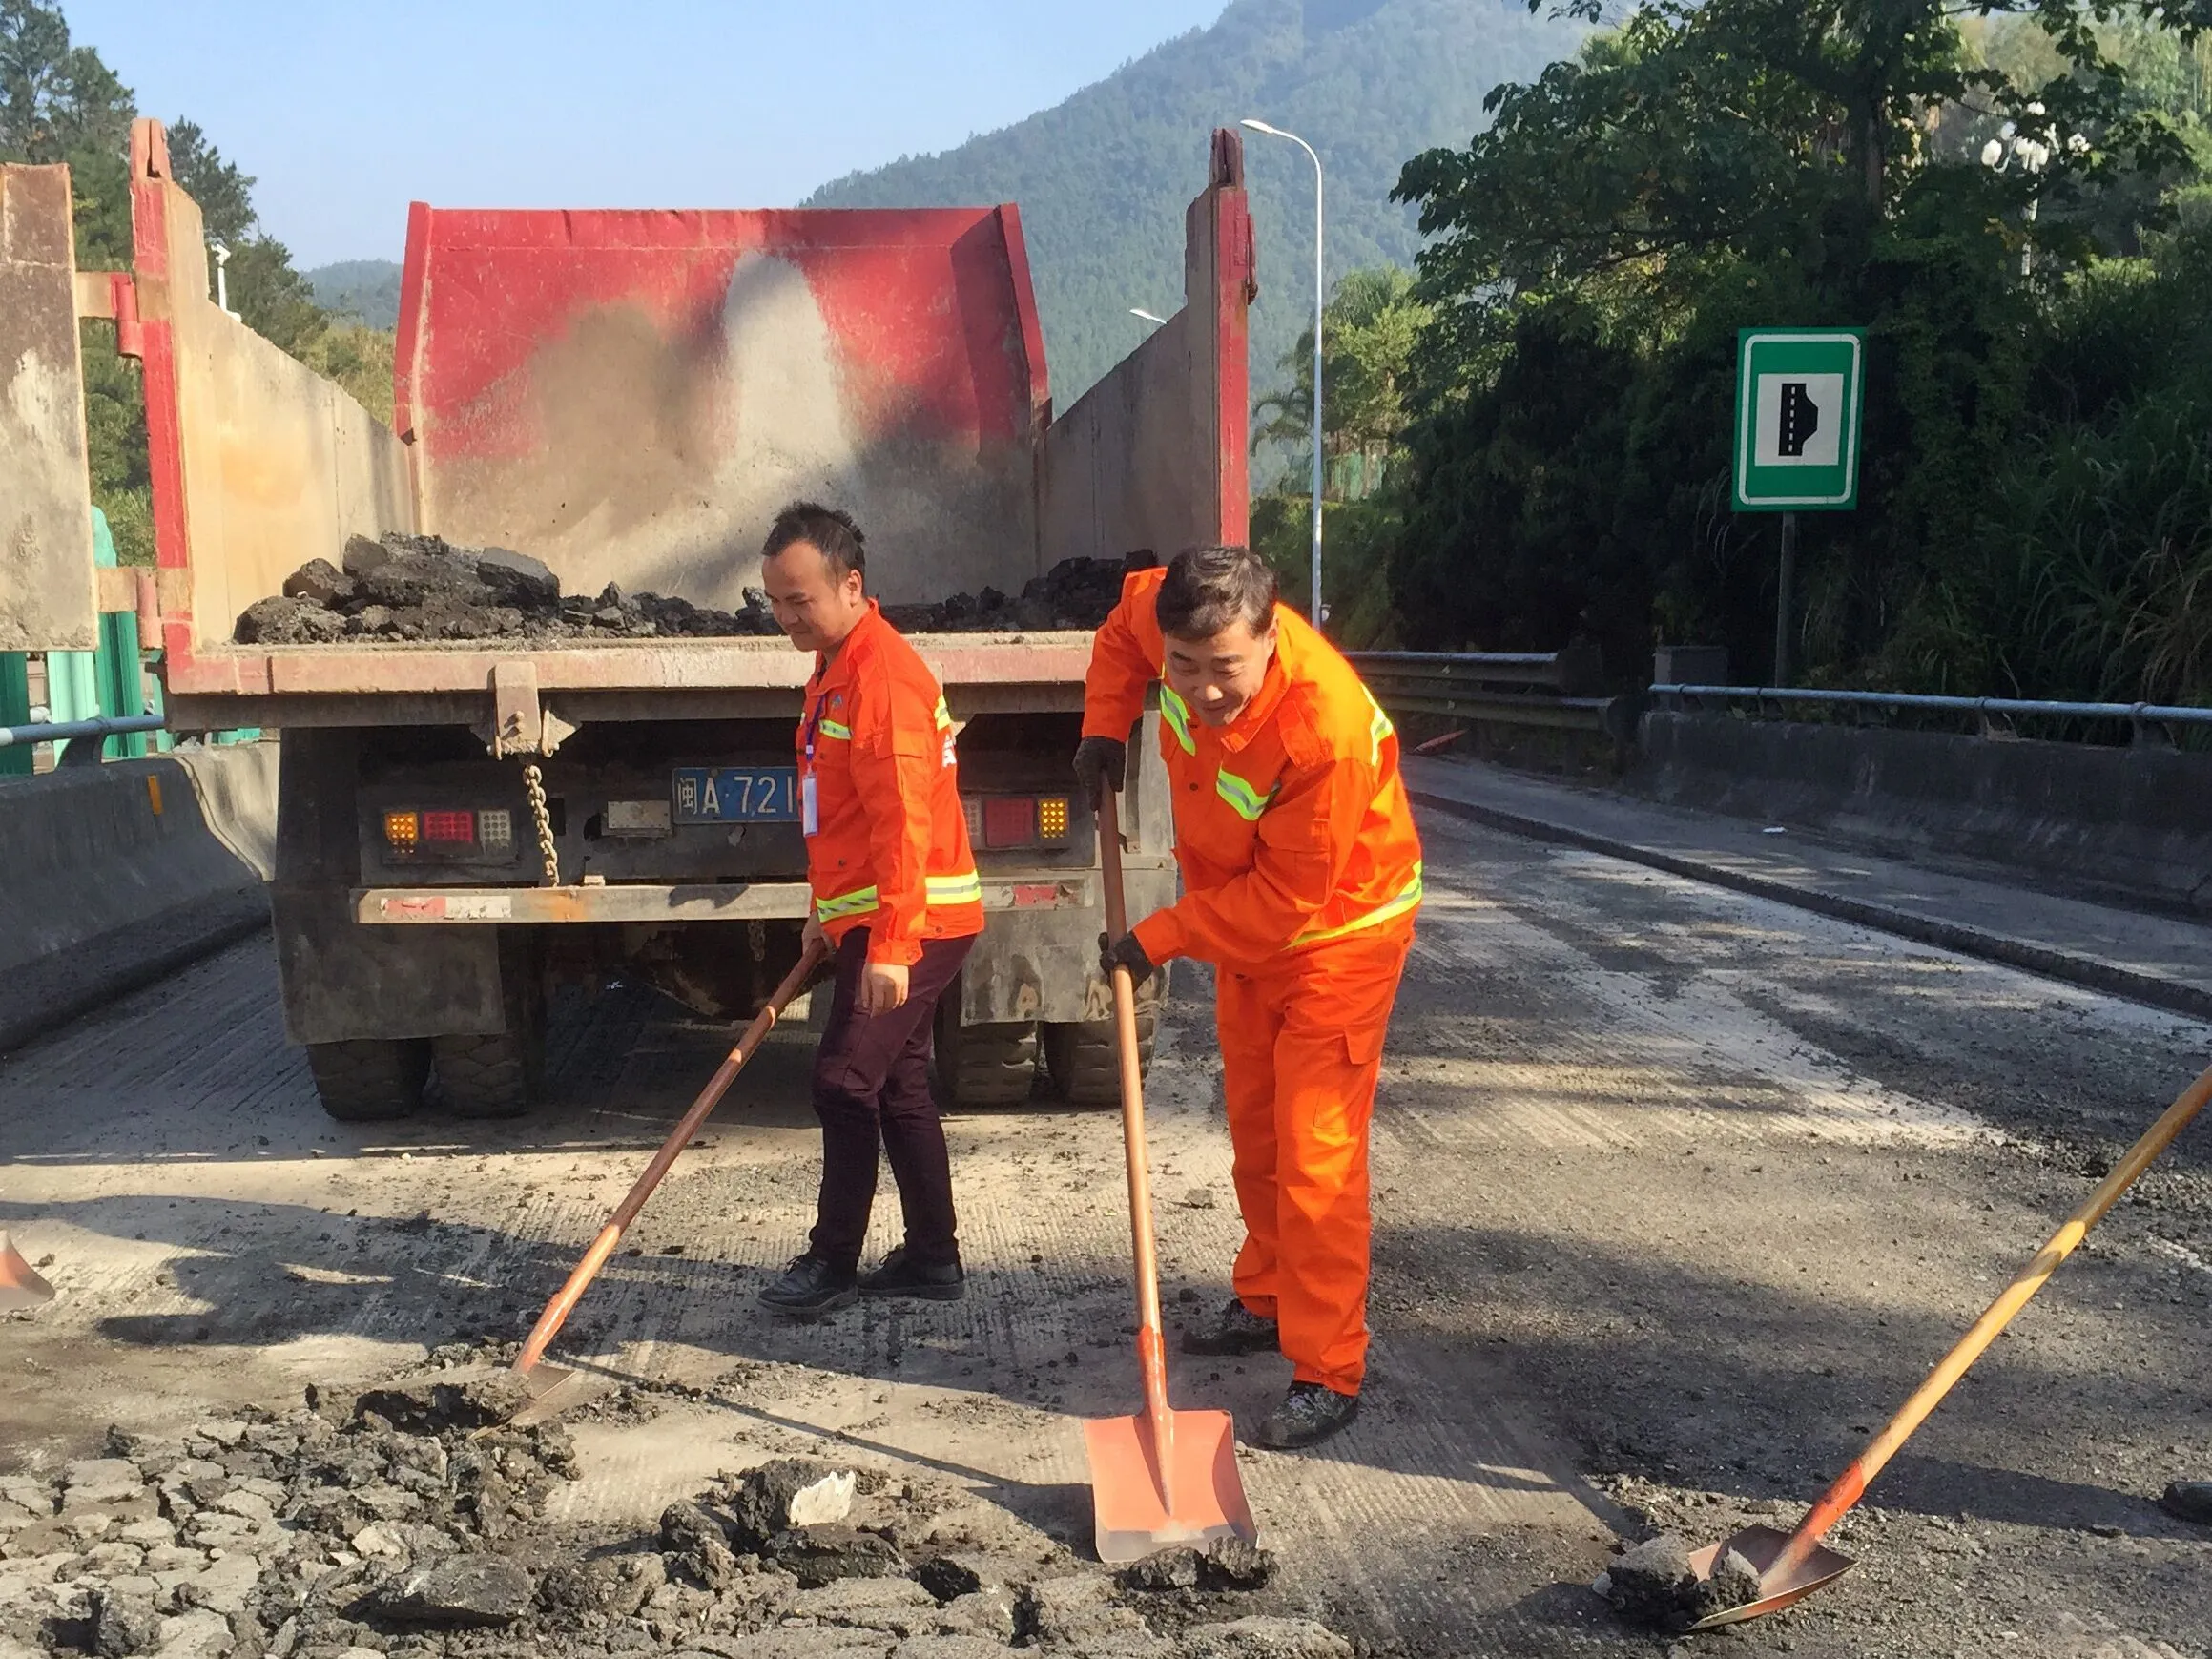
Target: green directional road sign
(1798, 396)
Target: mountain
(368, 289)
(1102, 178)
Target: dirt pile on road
(407, 1520)
(422, 588)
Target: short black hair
(831, 532)
(1206, 588)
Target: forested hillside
(368, 289)
(1102, 178)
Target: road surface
(1678, 1191)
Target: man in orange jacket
(895, 891)
(1301, 874)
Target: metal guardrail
(1985, 709)
(1519, 688)
(60, 731)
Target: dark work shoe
(1309, 1414)
(900, 1275)
(812, 1287)
(1236, 1330)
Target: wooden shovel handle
(564, 1302)
(1151, 1343)
(1851, 1484)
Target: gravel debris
(407, 1520)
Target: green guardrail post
(16, 761)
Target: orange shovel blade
(1145, 1501)
(1761, 1546)
(20, 1284)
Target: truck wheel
(492, 1074)
(990, 1065)
(1081, 1059)
(370, 1080)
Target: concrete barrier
(113, 876)
(2132, 824)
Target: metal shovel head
(21, 1285)
(1761, 1546)
(1147, 1497)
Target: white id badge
(809, 814)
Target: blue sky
(346, 114)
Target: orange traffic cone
(20, 1283)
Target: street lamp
(2012, 145)
(1155, 321)
(1320, 299)
(222, 283)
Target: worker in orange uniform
(1301, 874)
(896, 893)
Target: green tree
(57, 100)
(60, 102)
(1735, 163)
(1370, 329)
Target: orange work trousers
(1301, 1048)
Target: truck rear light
(495, 827)
(1019, 820)
(449, 828)
(402, 830)
(1009, 822)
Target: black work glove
(1124, 952)
(1100, 763)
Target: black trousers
(870, 1088)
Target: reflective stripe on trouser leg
(1330, 1008)
(1246, 1027)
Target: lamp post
(222, 283)
(1320, 300)
(2033, 156)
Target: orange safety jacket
(1291, 824)
(886, 841)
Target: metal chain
(549, 856)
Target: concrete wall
(2132, 822)
(1155, 455)
(46, 521)
(260, 463)
(113, 876)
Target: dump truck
(627, 396)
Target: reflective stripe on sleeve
(1409, 896)
(1248, 802)
(832, 729)
(1379, 727)
(857, 902)
(950, 890)
(943, 716)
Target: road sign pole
(1786, 581)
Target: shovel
(1792, 1566)
(21, 1285)
(553, 1387)
(1162, 1477)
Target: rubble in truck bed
(409, 1521)
(422, 588)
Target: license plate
(736, 794)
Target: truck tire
(983, 1066)
(370, 1080)
(1080, 1060)
(490, 1075)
